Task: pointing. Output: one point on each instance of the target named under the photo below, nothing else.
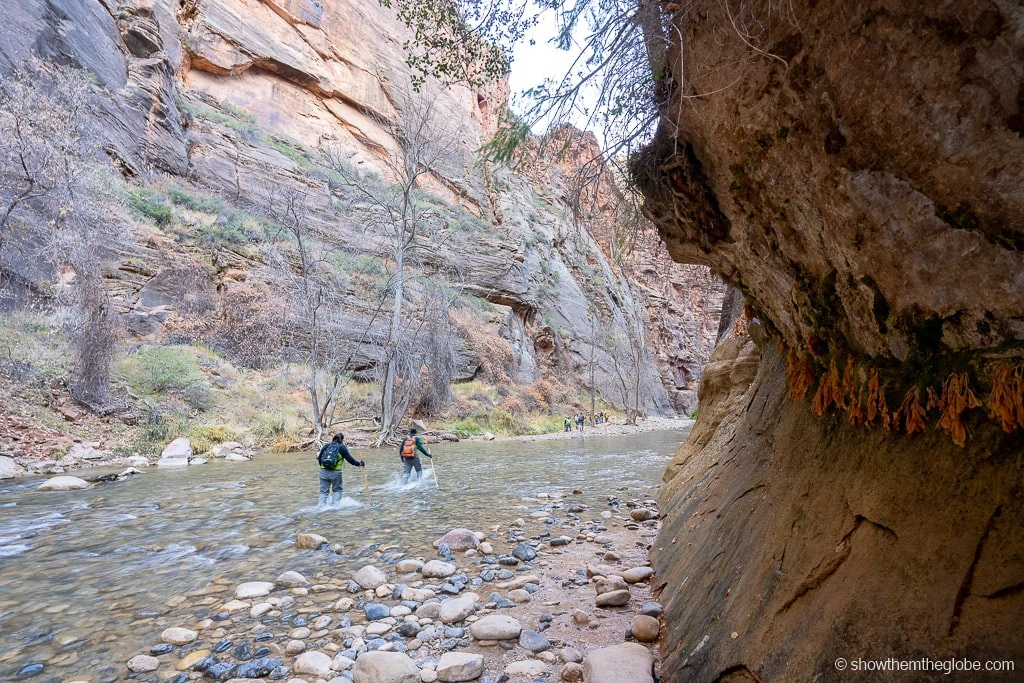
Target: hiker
(331, 459)
(407, 450)
(565, 425)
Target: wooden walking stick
(434, 470)
(366, 483)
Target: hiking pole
(434, 470)
(366, 483)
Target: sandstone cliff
(855, 171)
(237, 99)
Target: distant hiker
(332, 458)
(407, 450)
(580, 420)
(566, 427)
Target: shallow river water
(87, 578)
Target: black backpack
(329, 456)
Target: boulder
(613, 599)
(8, 468)
(496, 627)
(291, 579)
(314, 663)
(436, 569)
(63, 483)
(533, 641)
(458, 539)
(369, 577)
(408, 566)
(176, 454)
(572, 672)
(385, 667)
(459, 666)
(612, 583)
(309, 541)
(637, 574)
(253, 589)
(623, 663)
(644, 628)
(455, 610)
(223, 449)
(143, 664)
(177, 635)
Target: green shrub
(157, 369)
(206, 436)
(194, 202)
(147, 204)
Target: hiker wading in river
(407, 450)
(332, 458)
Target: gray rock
(496, 627)
(369, 577)
(613, 599)
(624, 663)
(454, 667)
(652, 609)
(609, 584)
(457, 609)
(314, 663)
(385, 667)
(8, 468)
(572, 672)
(533, 641)
(376, 610)
(458, 540)
(436, 569)
(637, 574)
(176, 453)
(63, 483)
(309, 541)
(291, 579)
(524, 552)
(143, 664)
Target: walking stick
(366, 483)
(434, 470)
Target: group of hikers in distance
(580, 419)
(333, 455)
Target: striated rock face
(857, 176)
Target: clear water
(85, 576)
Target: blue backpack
(329, 456)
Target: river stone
(176, 453)
(314, 663)
(428, 675)
(570, 654)
(408, 566)
(290, 579)
(645, 629)
(641, 515)
(234, 606)
(309, 541)
(612, 583)
(533, 641)
(143, 664)
(456, 609)
(294, 647)
(532, 668)
(192, 658)
(417, 594)
(376, 610)
(623, 663)
(369, 577)
(519, 595)
(429, 610)
(458, 539)
(613, 599)
(486, 548)
(63, 483)
(436, 569)
(177, 635)
(652, 609)
(572, 672)
(253, 589)
(385, 667)
(257, 668)
(559, 540)
(459, 666)
(496, 627)
(524, 552)
(637, 574)
(8, 468)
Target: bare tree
(394, 206)
(55, 206)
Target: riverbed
(90, 578)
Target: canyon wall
(237, 98)
(853, 486)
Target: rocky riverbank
(561, 594)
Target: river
(89, 578)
